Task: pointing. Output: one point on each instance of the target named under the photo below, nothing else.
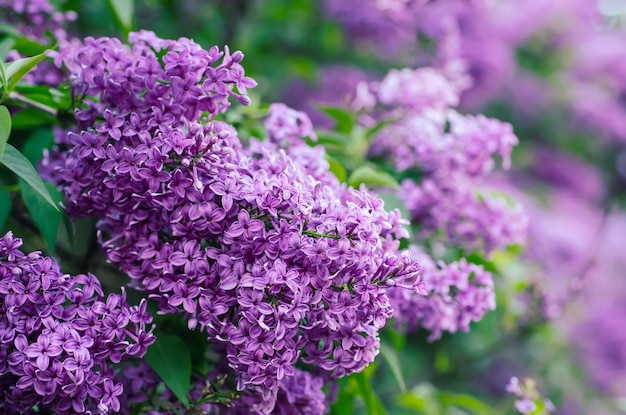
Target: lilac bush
(258, 246)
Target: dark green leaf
(5, 207)
(391, 357)
(170, 359)
(372, 178)
(36, 143)
(372, 401)
(469, 402)
(344, 118)
(31, 117)
(344, 405)
(15, 71)
(46, 217)
(28, 47)
(123, 12)
(18, 164)
(5, 127)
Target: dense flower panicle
(298, 394)
(452, 154)
(35, 18)
(417, 90)
(60, 336)
(476, 221)
(385, 22)
(40, 22)
(266, 253)
(598, 82)
(458, 293)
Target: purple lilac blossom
(60, 337)
(453, 153)
(40, 22)
(267, 254)
(599, 84)
(458, 293)
(298, 394)
(36, 18)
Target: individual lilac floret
(458, 293)
(527, 397)
(60, 337)
(260, 247)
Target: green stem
(21, 98)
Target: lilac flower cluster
(301, 393)
(388, 23)
(453, 154)
(35, 18)
(458, 293)
(60, 336)
(257, 246)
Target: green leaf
(31, 117)
(18, 164)
(372, 401)
(5, 207)
(46, 217)
(371, 177)
(3, 82)
(332, 137)
(422, 398)
(344, 405)
(6, 45)
(336, 168)
(35, 144)
(469, 402)
(5, 127)
(15, 71)
(170, 359)
(29, 47)
(391, 357)
(344, 118)
(123, 13)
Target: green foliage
(18, 164)
(371, 177)
(47, 217)
(5, 207)
(391, 357)
(171, 360)
(123, 11)
(15, 71)
(5, 127)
